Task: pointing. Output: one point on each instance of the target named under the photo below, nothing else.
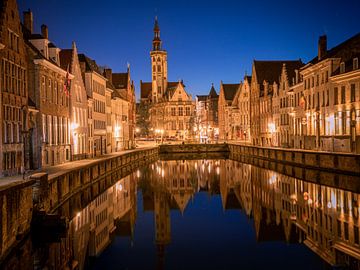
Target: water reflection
(281, 208)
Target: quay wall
(326, 161)
(72, 187)
(192, 148)
(15, 213)
(51, 191)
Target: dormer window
(355, 63)
(342, 67)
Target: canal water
(207, 214)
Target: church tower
(159, 66)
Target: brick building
(51, 138)
(13, 92)
(172, 110)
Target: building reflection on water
(283, 208)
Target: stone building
(331, 84)
(264, 82)
(13, 92)
(49, 87)
(120, 108)
(225, 107)
(78, 104)
(207, 116)
(125, 88)
(172, 108)
(95, 84)
(243, 103)
(284, 103)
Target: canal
(204, 214)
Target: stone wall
(51, 192)
(192, 148)
(334, 162)
(15, 213)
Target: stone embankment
(73, 184)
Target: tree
(143, 119)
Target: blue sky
(207, 41)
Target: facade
(226, 108)
(95, 84)
(13, 93)
(78, 104)
(172, 108)
(120, 110)
(284, 102)
(125, 90)
(207, 116)
(264, 83)
(243, 103)
(332, 98)
(49, 90)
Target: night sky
(207, 41)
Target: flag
(67, 83)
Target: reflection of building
(284, 208)
(170, 186)
(172, 108)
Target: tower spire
(156, 40)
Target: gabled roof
(90, 65)
(120, 80)
(145, 89)
(270, 71)
(230, 90)
(248, 78)
(345, 50)
(212, 93)
(202, 97)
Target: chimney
(28, 20)
(108, 74)
(322, 47)
(296, 76)
(45, 31)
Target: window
(336, 96)
(352, 92)
(159, 90)
(187, 111)
(181, 112)
(355, 63)
(327, 97)
(342, 94)
(173, 111)
(159, 68)
(342, 67)
(326, 76)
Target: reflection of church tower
(162, 225)
(159, 66)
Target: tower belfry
(159, 66)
